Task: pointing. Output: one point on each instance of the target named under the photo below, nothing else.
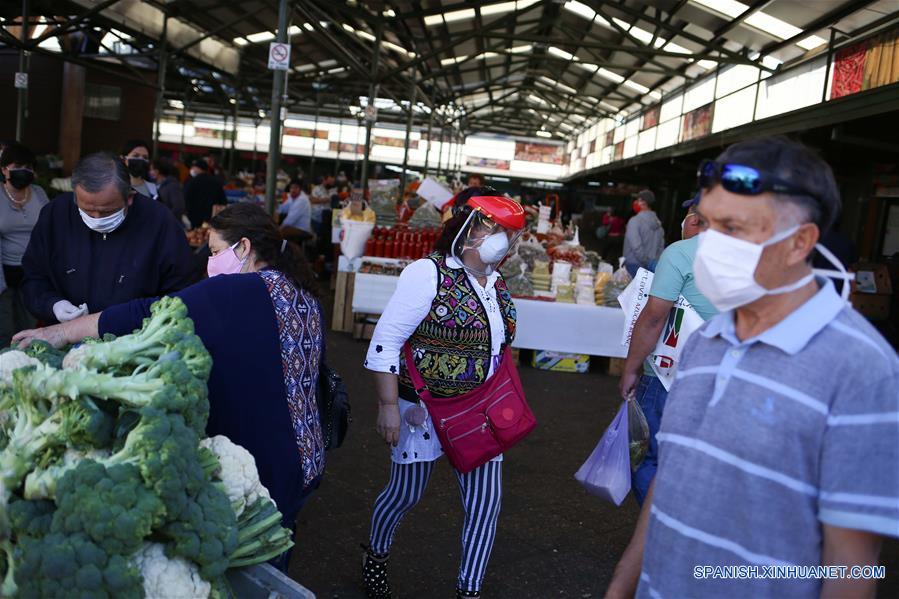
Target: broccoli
(31, 518)
(167, 330)
(166, 385)
(112, 506)
(46, 353)
(62, 566)
(205, 533)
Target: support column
(408, 133)
(430, 141)
(231, 156)
(160, 85)
(356, 154)
(339, 138)
(183, 128)
(71, 118)
(22, 99)
(274, 149)
(314, 137)
(372, 93)
(440, 154)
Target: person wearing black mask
(201, 192)
(20, 205)
(136, 156)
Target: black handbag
(333, 404)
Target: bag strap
(421, 388)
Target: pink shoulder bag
(477, 426)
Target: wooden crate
(342, 319)
(616, 366)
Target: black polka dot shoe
(374, 575)
(460, 594)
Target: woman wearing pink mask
(259, 318)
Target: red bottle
(379, 247)
(370, 246)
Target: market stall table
(552, 326)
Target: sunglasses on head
(745, 180)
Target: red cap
(502, 210)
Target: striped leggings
(481, 491)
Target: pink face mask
(225, 263)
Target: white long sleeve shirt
(408, 307)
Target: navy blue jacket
(146, 256)
(234, 317)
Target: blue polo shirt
(766, 440)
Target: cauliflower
(166, 578)
(238, 472)
(13, 360)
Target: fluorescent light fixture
(240, 41)
(366, 35)
(261, 114)
(325, 64)
(305, 67)
(232, 101)
(348, 27)
(538, 99)
(294, 30)
(262, 36)
(544, 134)
(559, 52)
(449, 17)
(566, 126)
(337, 70)
(397, 48)
(454, 60)
(486, 55)
(520, 49)
(389, 13)
(580, 9)
(607, 74)
(308, 27)
(176, 104)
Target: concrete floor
(554, 540)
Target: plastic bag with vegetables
(637, 432)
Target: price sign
(278, 56)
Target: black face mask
(137, 167)
(20, 178)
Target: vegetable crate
(560, 362)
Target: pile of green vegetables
(107, 486)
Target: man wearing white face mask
(780, 440)
(102, 245)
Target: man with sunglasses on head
(779, 447)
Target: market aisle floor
(553, 540)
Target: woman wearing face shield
(20, 207)
(454, 310)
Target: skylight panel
(240, 41)
(635, 86)
(580, 9)
(811, 42)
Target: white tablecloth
(552, 326)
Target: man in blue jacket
(101, 246)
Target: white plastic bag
(607, 472)
(354, 237)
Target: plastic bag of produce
(520, 285)
(607, 472)
(621, 276)
(637, 432)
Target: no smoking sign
(278, 56)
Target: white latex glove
(65, 311)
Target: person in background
(171, 195)
(19, 210)
(256, 313)
(136, 156)
(780, 441)
(673, 278)
(201, 192)
(644, 239)
(214, 169)
(475, 180)
(299, 214)
(101, 245)
(321, 199)
(294, 193)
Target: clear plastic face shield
(482, 244)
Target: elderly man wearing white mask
(102, 245)
(779, 446)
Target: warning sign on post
(21, 81)
(278, 56)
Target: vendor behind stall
(102, 245)
(263, 327)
